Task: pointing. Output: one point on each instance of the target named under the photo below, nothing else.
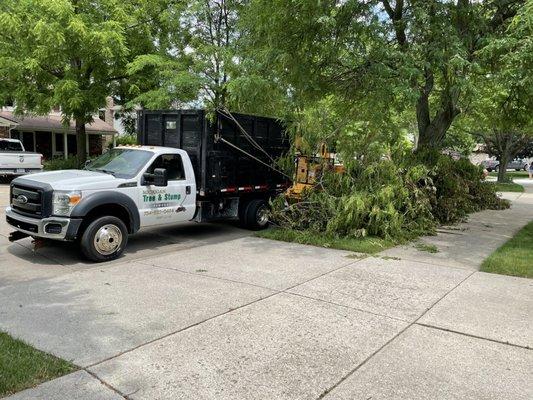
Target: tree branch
(396, 16)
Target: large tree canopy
(345, 71)
(67, 53)
(416, 58)
(502, 112)
(194, 56)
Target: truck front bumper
(56, 228)
(19, 171)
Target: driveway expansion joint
(180, 330)
(348, 307)
(110, 387)
(324, 274)
(205, 275)
(473, 336)
(248, 283)
(275, 292)
(436, 264)
(350, 373)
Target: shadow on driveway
(144, 244)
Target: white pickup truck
(123, 190)
(15, 161)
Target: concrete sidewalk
(256, 319)
(466, 245)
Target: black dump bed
(219, 165)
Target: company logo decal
(160, 203)
(22, 199)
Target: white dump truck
(133, 187)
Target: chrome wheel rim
(107, 239)
(262, 216)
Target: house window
(71, 144)
(101, 115)
(58, 137)
(15, 135)
(27, 140)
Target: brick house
(50, 137)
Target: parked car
(489, 165)
(494, 165)
(15, 161)
(518, 164)
(200, 173)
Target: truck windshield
(122, 163)
(7, 145)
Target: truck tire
(104, 239)
(243, 204)
(255, 216)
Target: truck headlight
(64, 201)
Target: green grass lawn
(22, 366)
(507, 187)
(515, 257)
(512, 174)
(430, 248)
(369, 245)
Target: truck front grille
(27, 200)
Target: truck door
(169, 204)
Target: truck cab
(115, 195)
(118, 193)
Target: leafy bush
(381, 199)
(390, 200)
(461, 190)
(58, 163)
(126, 140)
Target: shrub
(57, 163)
(125, 140)
(389, 199)
(380, 199)
(461, 190)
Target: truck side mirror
(87, 162)
(160, 177)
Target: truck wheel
(243, 205)
(255, 216)
(104, 239)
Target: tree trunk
(502, 169)
(432, 132)
(432, 135)
(80, 142)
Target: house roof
(7, 122)
(53, 122)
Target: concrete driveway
(208, 312)
(59, 258)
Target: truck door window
(172, 163)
